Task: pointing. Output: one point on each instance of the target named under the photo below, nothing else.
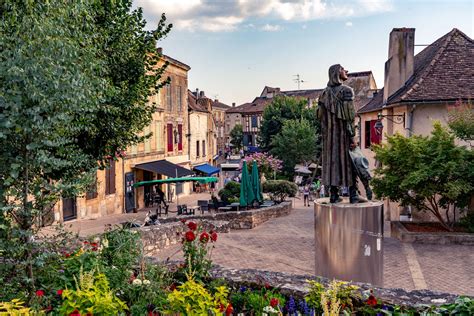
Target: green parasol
(256, 185)
(246, 193)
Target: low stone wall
(297, 286)
(170, 230)
(442, 238)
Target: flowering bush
(197, 248)
(266, 163)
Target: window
(179, 98)
(203, 148)
(160, 146)
(371, 134)
(133, 149)
(169, 132)
(110, 178)
(180, 136)
(168, 98)
(197, 148)
(92, 189)
(254, 121)
(147, 140)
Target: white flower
(146, 282)
(438, 301)
(105, 243)
(269, 309)
(97, 239)
(137, 282)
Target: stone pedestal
(348, 241)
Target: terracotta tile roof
(198, 105)
(373, 104)
(443, 71)
(220, 105)
(236, 109)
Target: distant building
(232, 118)
(418, 88)
(219, 116)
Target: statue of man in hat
(336, 113)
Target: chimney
(233, 104)
(201, 94)
(216, 100)
(399, 66)
(197, 93)
(159, 50)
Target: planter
(440, 238)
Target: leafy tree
(461, 121)
(281, 109)
(237, 136)
(430, 173)
(280, 190)
(75, 77)
(295, 143)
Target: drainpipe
(359, 127)
(411, 115)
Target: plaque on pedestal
(348, 241)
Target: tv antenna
(298, 80)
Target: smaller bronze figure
(336, 113)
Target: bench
(225, 209)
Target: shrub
(280, 190)
(230, 192)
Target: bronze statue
(336, 113)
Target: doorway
(69, 208)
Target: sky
(237, 47)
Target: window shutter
(112, 177)
(180, 135)
(169, 128)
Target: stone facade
(219, 117)
(168, 129)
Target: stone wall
(170, 230)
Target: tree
(430, 173)
(75, 78)
(295, 143)
(281, 109)
(237, 136)
(461, 121)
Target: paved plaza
(286, 244)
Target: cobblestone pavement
(286, 244)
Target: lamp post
(395, 118)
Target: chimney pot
(233, 104)
(400, 63)
(201, 94)
(197, 93)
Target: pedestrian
(306, 195)
(322, 191)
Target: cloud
(270, 28)
(348, 23)
(228, 15)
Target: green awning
(177, 180)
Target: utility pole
(298, 80)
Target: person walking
(322, 191)
(306, 195)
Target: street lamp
(395, 118)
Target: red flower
(267, 286)
(189, 236)
(40, 293)
(94, 244)
(221, 307)
(192, 226)
(204, 237)
(173, 287)
(229, 310)
(59, 292)
(86, 242)
(372, 301)
(213, 236)
(67, 255)
(183, 221)
(274, 302)
(75, 313)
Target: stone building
(202, 133)
(418, 89)
(232, 118)
(165, 154)
(219, 117)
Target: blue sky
(236, 47)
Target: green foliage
(230, 192)
(74, 92)
(248, 300)
(337, 296)
(280, 110)
(192, 298)
(14, 308)
(314, 296)
(430, 173)
(237, 136)
(468, 222)
(295, 143)
(92, 295)
(461, 121)
(280, 190)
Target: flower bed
(111, 276)
(441, 238)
